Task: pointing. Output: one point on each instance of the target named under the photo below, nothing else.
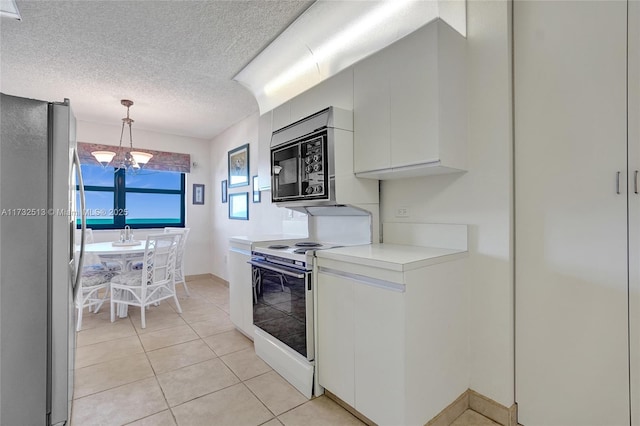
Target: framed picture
(223, 190)
(256, 190)
(239, 166)
(239, 206)
(198, 193)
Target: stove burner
(278, 246)
(308, 244)
(301, 251)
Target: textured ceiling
(174, 59)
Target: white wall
(264, 217)
(197, 259)
(482, 198)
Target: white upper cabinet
(410, 106)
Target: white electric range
(283, 307)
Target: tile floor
(189, 369)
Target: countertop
(244, 239)
(395, 257)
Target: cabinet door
(414, 98)
(240, 290)
(264, 153)
(572, 359)
(634, 206)
(372, 131)
(335, 361)
(380, 354)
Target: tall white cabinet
(577, 227)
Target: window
(147, 199)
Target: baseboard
(452, 411)
(207, 276)
(198, 277)
(349, 408)
(506, 416)
(470, 399)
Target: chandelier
(129, 160)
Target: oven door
(283, 305)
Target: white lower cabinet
(392, 343)
(241, 288)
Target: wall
(481, 197)
(264, 217)
(197, 259)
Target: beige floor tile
(167, 337)
(107, 351)
(272, 422)
(275, 392)
(104, 333)
(234, 405)
(92, 320)
(163, 306)
(203, 313)
(158, 321)
(163, 418)
(191, 382)
(471, 418)
(319, 412)
(213, 293)
(178, 356)
(189, 303)
(120, 405)
(213, 326)
(228, 342)
(224, 306)
(245, 363)
(111, 374)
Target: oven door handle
(275, 269)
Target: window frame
(120, 191)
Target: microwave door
(286, 172)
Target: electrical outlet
(402, 212)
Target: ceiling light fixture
(129, 160)
(330, 36)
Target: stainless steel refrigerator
(39, 171)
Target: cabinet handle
(617, 182)
(635, 182)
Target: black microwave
(302, 159)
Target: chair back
(181, 248)
(158, 266)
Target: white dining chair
(93, 292)
(180, 275)
(94, 281)
(154, 282)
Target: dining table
(122, 253)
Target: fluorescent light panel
(9, 9)
(333, 35)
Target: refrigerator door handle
(83, 225)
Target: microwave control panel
(313, 165)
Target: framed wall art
(198, 193)
(239, 206)
(238, 163)
(223, 190)
(256, 189)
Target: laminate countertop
(395, 257)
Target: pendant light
(129, 160)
